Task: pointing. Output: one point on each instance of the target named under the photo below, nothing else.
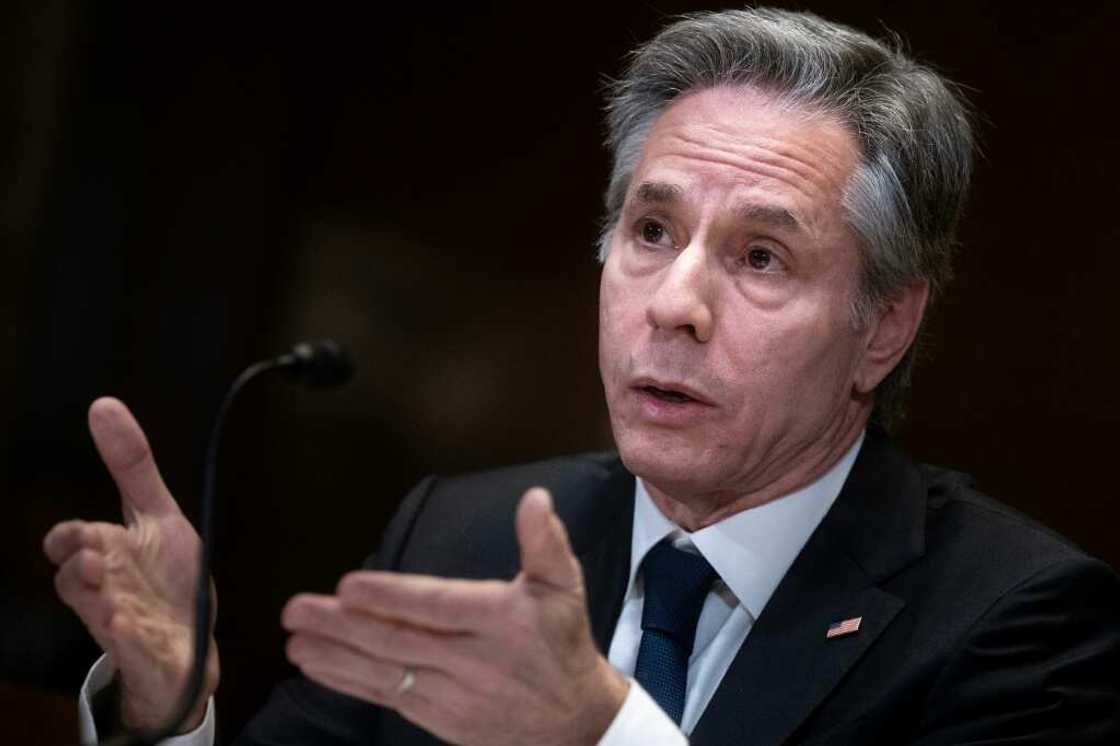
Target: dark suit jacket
(979, 626)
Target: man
(782, 207)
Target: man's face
(726, 344)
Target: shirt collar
(750, 550)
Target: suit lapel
(787, 665)
(606, 560)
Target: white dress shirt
(99, 677)
(750, 551)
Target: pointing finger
(127, 455)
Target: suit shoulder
(1023, 632)
(559, 475)
(465, 525)
(989, 535)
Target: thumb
(128, 457)
(546, 554)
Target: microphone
(321, 363)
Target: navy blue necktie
(676, 584)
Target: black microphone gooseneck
(319, 364)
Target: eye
(759, 259)
(762, 259)
(653, 232)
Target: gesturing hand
(133, 585)
(473, 662)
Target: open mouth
(666, 395)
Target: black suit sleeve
(305, 713)
(1041, 667)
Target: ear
(890, 334)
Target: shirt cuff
(99, 677)
(641, 720)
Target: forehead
(740, 142)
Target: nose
(682, 299)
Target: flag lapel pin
(844, 627)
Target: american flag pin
(845, 627)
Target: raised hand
(133, 585)
(474, 662)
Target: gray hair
(903, 200)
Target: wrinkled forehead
(738, 138)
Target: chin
(675, 468)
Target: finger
(383, 639)
(354, 687)
(85, 598)
(68, 537)
(343, 661)
(433, 695)
(127, 455)
(441, 604)
(348, 682)
(435, 702)
(88, 565)
(546, 554)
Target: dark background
(188, 190)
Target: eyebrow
(776, 217)
(658, 192)
(663, 193)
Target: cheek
(610, 337)
(793, 358)
(620, 317)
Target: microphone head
(322, 363)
